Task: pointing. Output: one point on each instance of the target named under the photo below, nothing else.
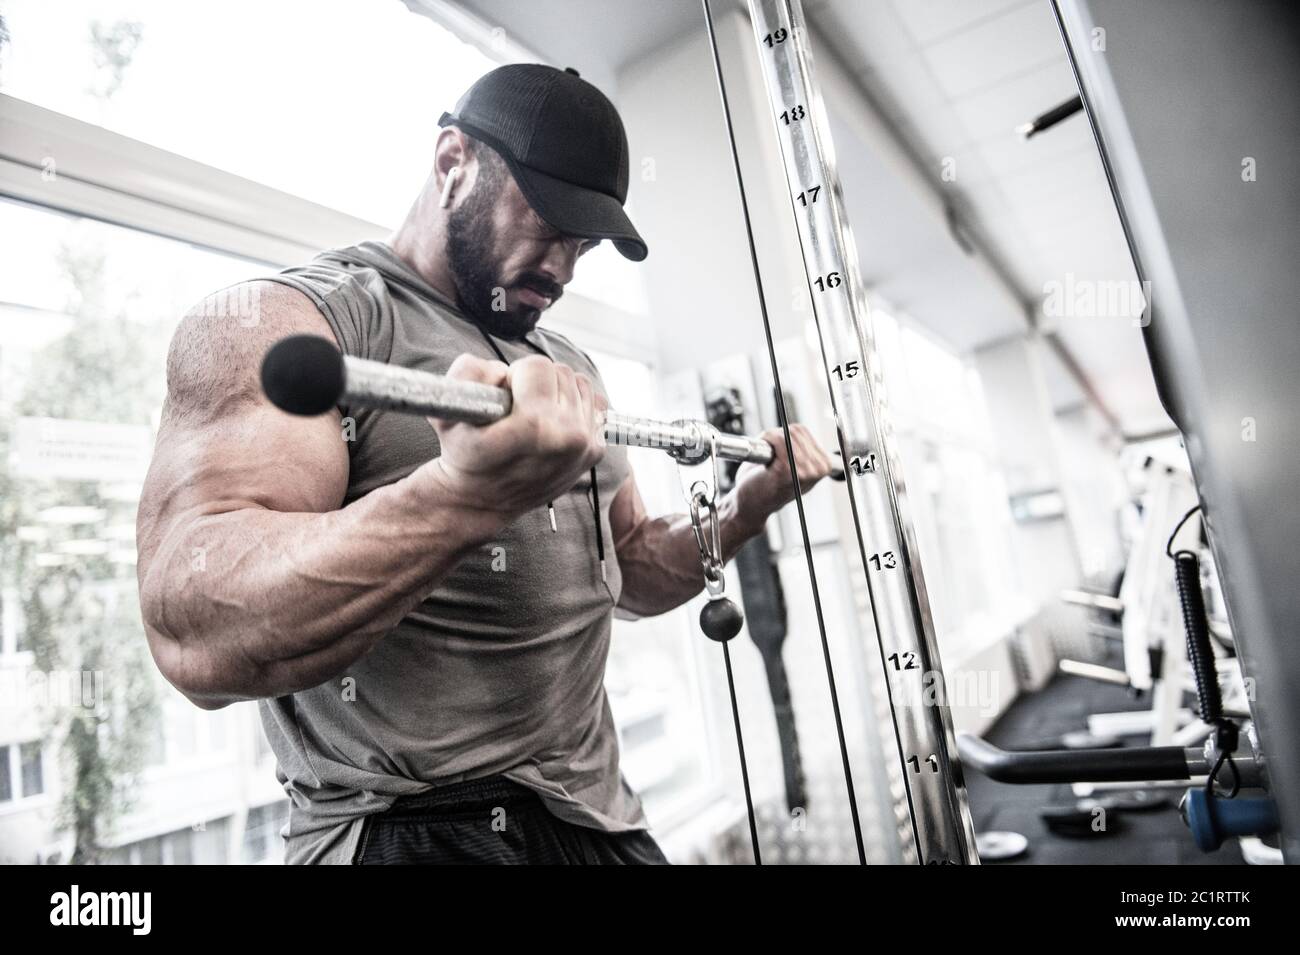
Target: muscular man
(422, 609)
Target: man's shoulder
(339, 268)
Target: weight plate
(1000, 846)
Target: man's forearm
(250, 602)
(660, 558)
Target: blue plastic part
(1212, 819)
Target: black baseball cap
(565, 144)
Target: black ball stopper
(304, 374)
(721, 619)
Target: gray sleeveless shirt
(500, 668)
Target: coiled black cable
(1187, 578)
(1200, 655)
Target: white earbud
(445, 199)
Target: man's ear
(451, 157)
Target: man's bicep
(253, 457)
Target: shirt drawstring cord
(595, 489)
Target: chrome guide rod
(789, 449)
(936, 795)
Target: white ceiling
(953, 78)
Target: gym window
(944, 438)
(22, 771)
(205, 843)
(201, 82)
(262, 832)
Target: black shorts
(492, 821)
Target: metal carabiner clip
(702, 498)
(710, 542)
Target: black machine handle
(1138, 764)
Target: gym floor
(1150, 836)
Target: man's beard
(470, 245)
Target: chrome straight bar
(378, 385)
